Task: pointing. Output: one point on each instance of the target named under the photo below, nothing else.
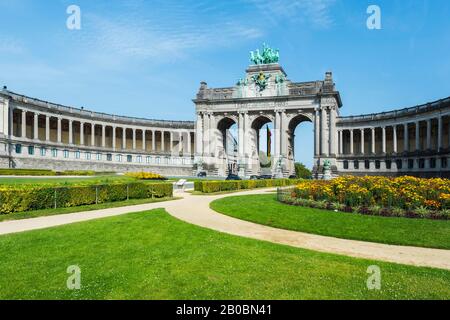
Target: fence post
(96, 194)
(55, 198)
(128, 192)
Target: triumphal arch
(265, 94)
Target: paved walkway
(195, 210)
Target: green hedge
(220, 186)
(43, 172)
(20, 199)
(26, 172)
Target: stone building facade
(40, 134)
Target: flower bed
(146, 176)
(403, 196)
(29, 197)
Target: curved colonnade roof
(99, 116)
(427, 107)
(59, 109)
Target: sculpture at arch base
(327, 170)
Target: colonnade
(100, 134)
(417, 136)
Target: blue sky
(147, 58)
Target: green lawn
(264, 209)
(52, 212)
(150, 255)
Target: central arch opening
(228, 145)
(300, 146)
(262, 143)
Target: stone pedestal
(327, 174)
(278, 172)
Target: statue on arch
(268, 55)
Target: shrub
(219, 186)
(27, 198)
(356, 209)
(44, 172)
(422, 212)
(26, 172)
(398, 212)
(77, 173)
(376, 210)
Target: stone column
(247, 134)
(144, 143)
(440, 127)
(92, 134)
(206, 134)
(70, 131)
(114, 137)
(59, 130)
(189, 143)
(341, 142)
(394, 138)
(324, 144)
(103, 136)
(82, 133)
(24, 123)
(134, 138)
(163, 147)
(278, 134)
(351, 141)
(171, 142)
(317, 133)
(373, 141)
(36, 126)
(241, 135)
(417, 135)
(429, 134)
(332, 131)
(47, 128)
(384, 140)
(362, 141)
(153, 140)
(406, 137)
(124, 138)
(212, 135)
(199, 135)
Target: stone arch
(258, 122)
(257, 163)
(223, 136)
(294, 121)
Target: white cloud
(131, 36)
(316, 12)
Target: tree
(301, 171)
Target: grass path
(151, 255)
(264, 209)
